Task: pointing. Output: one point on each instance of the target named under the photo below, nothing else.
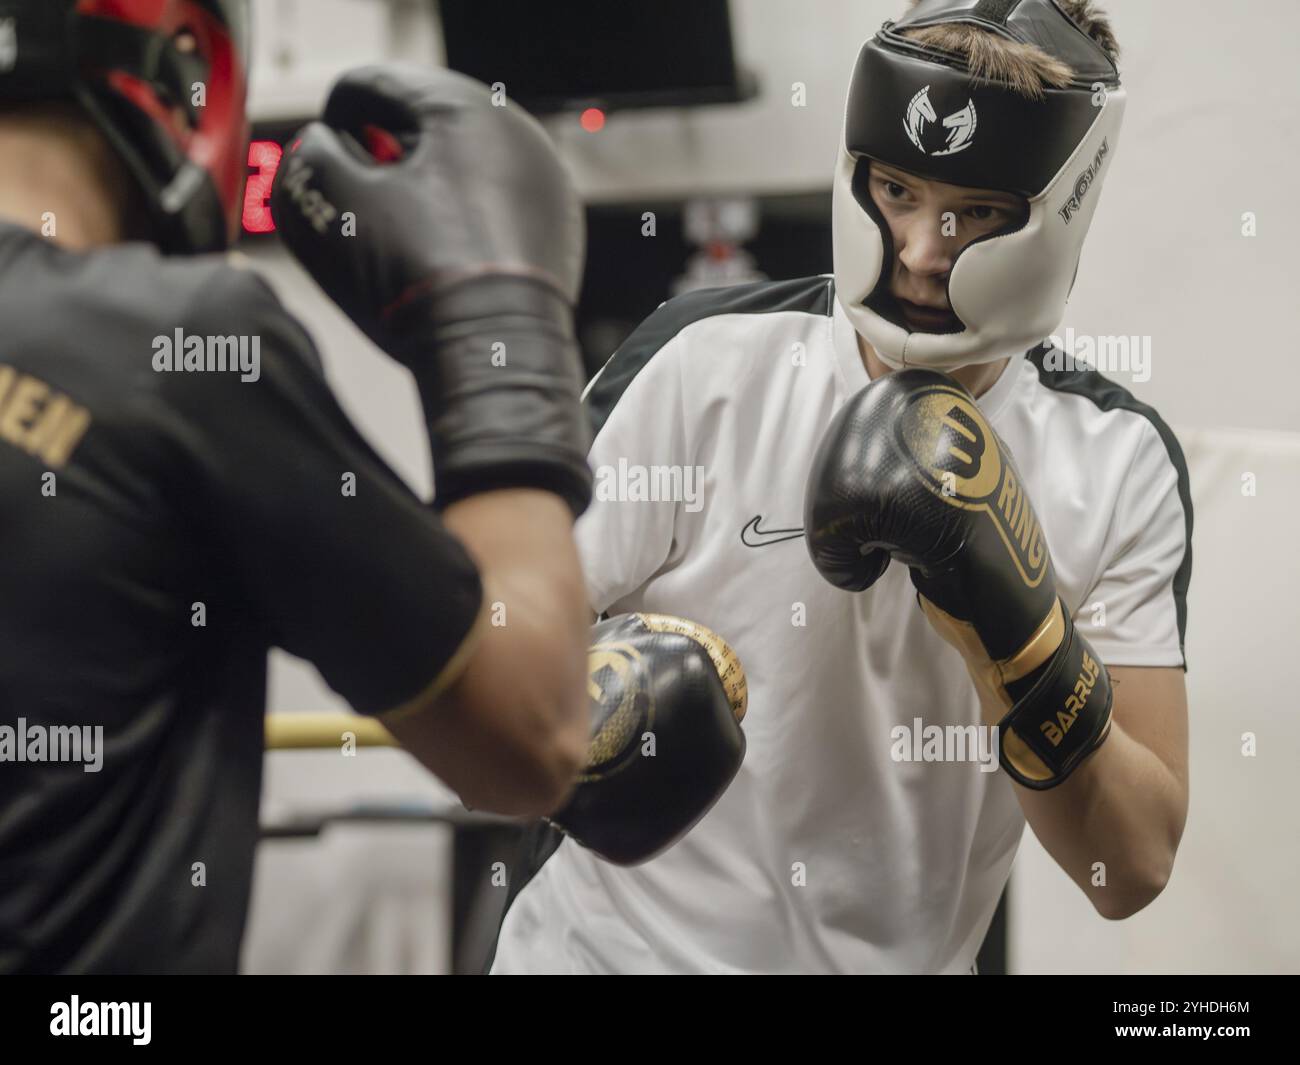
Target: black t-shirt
(159, 531)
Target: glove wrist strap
(500, 376)
(1064, 717)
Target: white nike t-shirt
(826, 854)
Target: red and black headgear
(165, 80)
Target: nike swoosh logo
(752, 536)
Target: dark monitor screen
(552, 56)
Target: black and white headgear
(920, 109)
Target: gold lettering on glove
(614, 683)
(1074, 702)
(953, 446)
(719, 651)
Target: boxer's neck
(59, 178)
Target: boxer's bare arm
(1116, 824)
(510, 733)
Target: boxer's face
(931, 223)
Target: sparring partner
(976, 139)
(167, 521)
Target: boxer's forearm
(510, 734)
(1113, 826)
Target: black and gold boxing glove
(667, 698)
(909, 469)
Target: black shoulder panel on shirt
(812, 295)
(1108, 395)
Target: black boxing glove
(447, 229)
(910, 467)
(654, 675)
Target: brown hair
(1023, 68)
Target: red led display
(263, 160)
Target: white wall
(1212, 132)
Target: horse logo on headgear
(960, 124)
